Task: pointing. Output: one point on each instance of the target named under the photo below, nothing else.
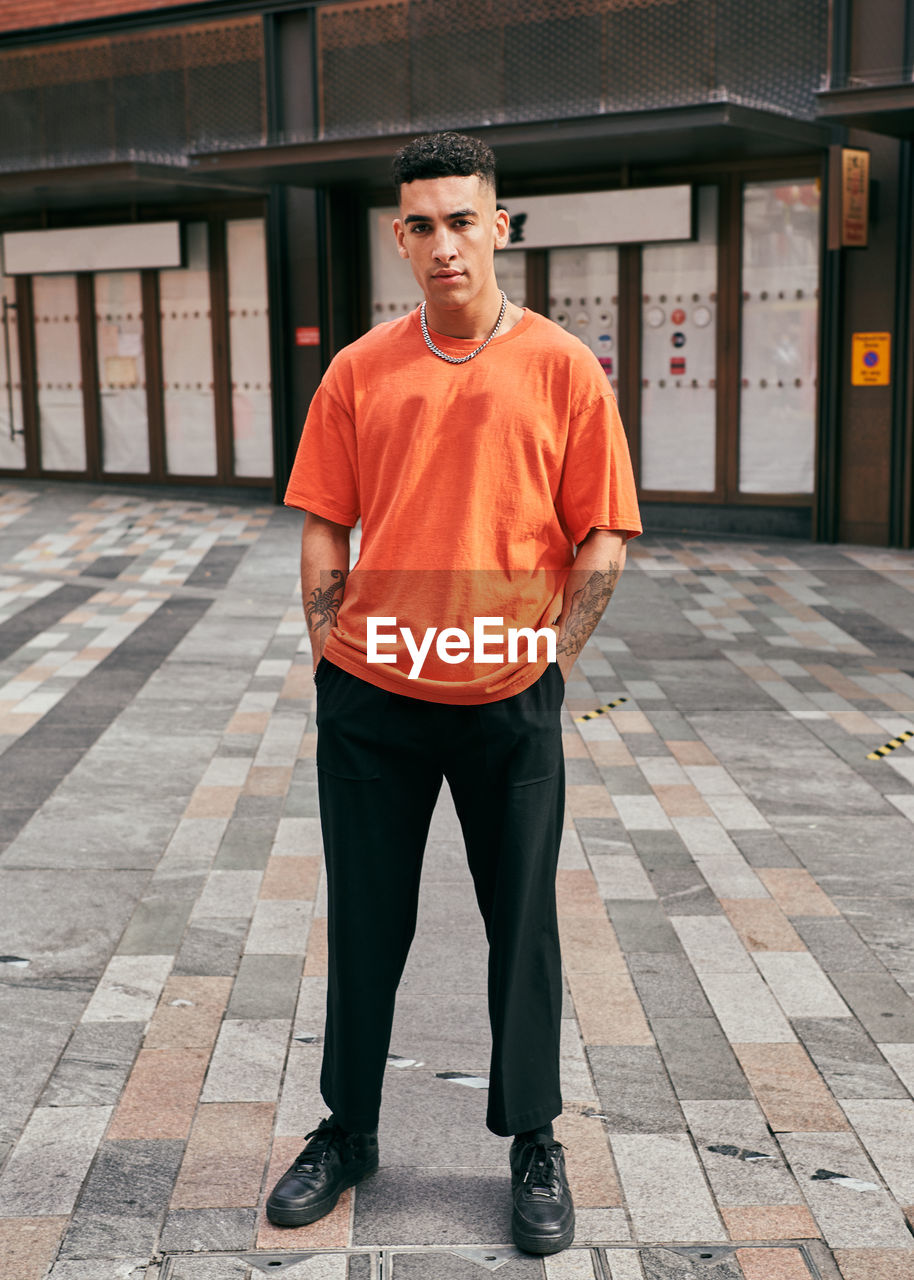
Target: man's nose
(443, 247)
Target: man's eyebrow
(421, 217)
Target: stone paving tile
(759, 1264)
(95, 1065)
(207, 1180)
(848, 1216)
(741, 1158)
(875, 1264)
(850, 1063)
(129, 989)
(664, 1188)
(699, 1059)
(161, 1094)
(247, 1062)
(189, 1013)
(123, 1200)
(880, 1003)
(745, 1008)
(634, 1090)
(789, 1089)
(799, 985)
(886, 1129)
(46, 1170)
(28, 1245)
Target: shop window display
(779, 337)
(678, 359)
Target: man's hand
(324, 566)
(599, 561)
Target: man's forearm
(591, 582)
(324, 567)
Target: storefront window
(60, 398)
(394, 291)
(121, 372)
(779, 337)
(187, 361)
(511, 271)
(249, 343)
(678, 359)
(12, 437)
(583, 298)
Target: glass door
(777, 433)
(249, 329)
(187, 361)
(61, 422)
(121, 372)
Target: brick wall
(19, 15)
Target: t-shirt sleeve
(597, 489)
(324, 475)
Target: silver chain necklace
(443, 355)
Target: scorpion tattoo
(323, 607)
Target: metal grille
(397, 65)
(152, 96)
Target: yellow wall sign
(870, 359)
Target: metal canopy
(109, 186)
(715, 131)
(693, 134)
(885, 108)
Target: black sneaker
(332, 1161)
(543, 1217)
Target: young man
(481, 447)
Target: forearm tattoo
(323, 606)
(587, 605)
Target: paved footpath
(737, 908)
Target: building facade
(195, 215)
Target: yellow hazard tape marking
(600, 711)
(891, 746)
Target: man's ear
(400, 233)
(502, 228)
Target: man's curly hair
(443, 155)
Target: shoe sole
(282, 1217)
(543, 1245)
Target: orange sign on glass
(870, 359)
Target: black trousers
(381, 759)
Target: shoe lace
(319, 1142)
(541, 1175)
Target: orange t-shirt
(474, 483)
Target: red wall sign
(307, 335)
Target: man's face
(448, 230)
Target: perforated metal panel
(396, 65)
(150, 96)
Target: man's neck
(474, 322)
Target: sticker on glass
(655, 317)
(701, 317)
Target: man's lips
(447, 275)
